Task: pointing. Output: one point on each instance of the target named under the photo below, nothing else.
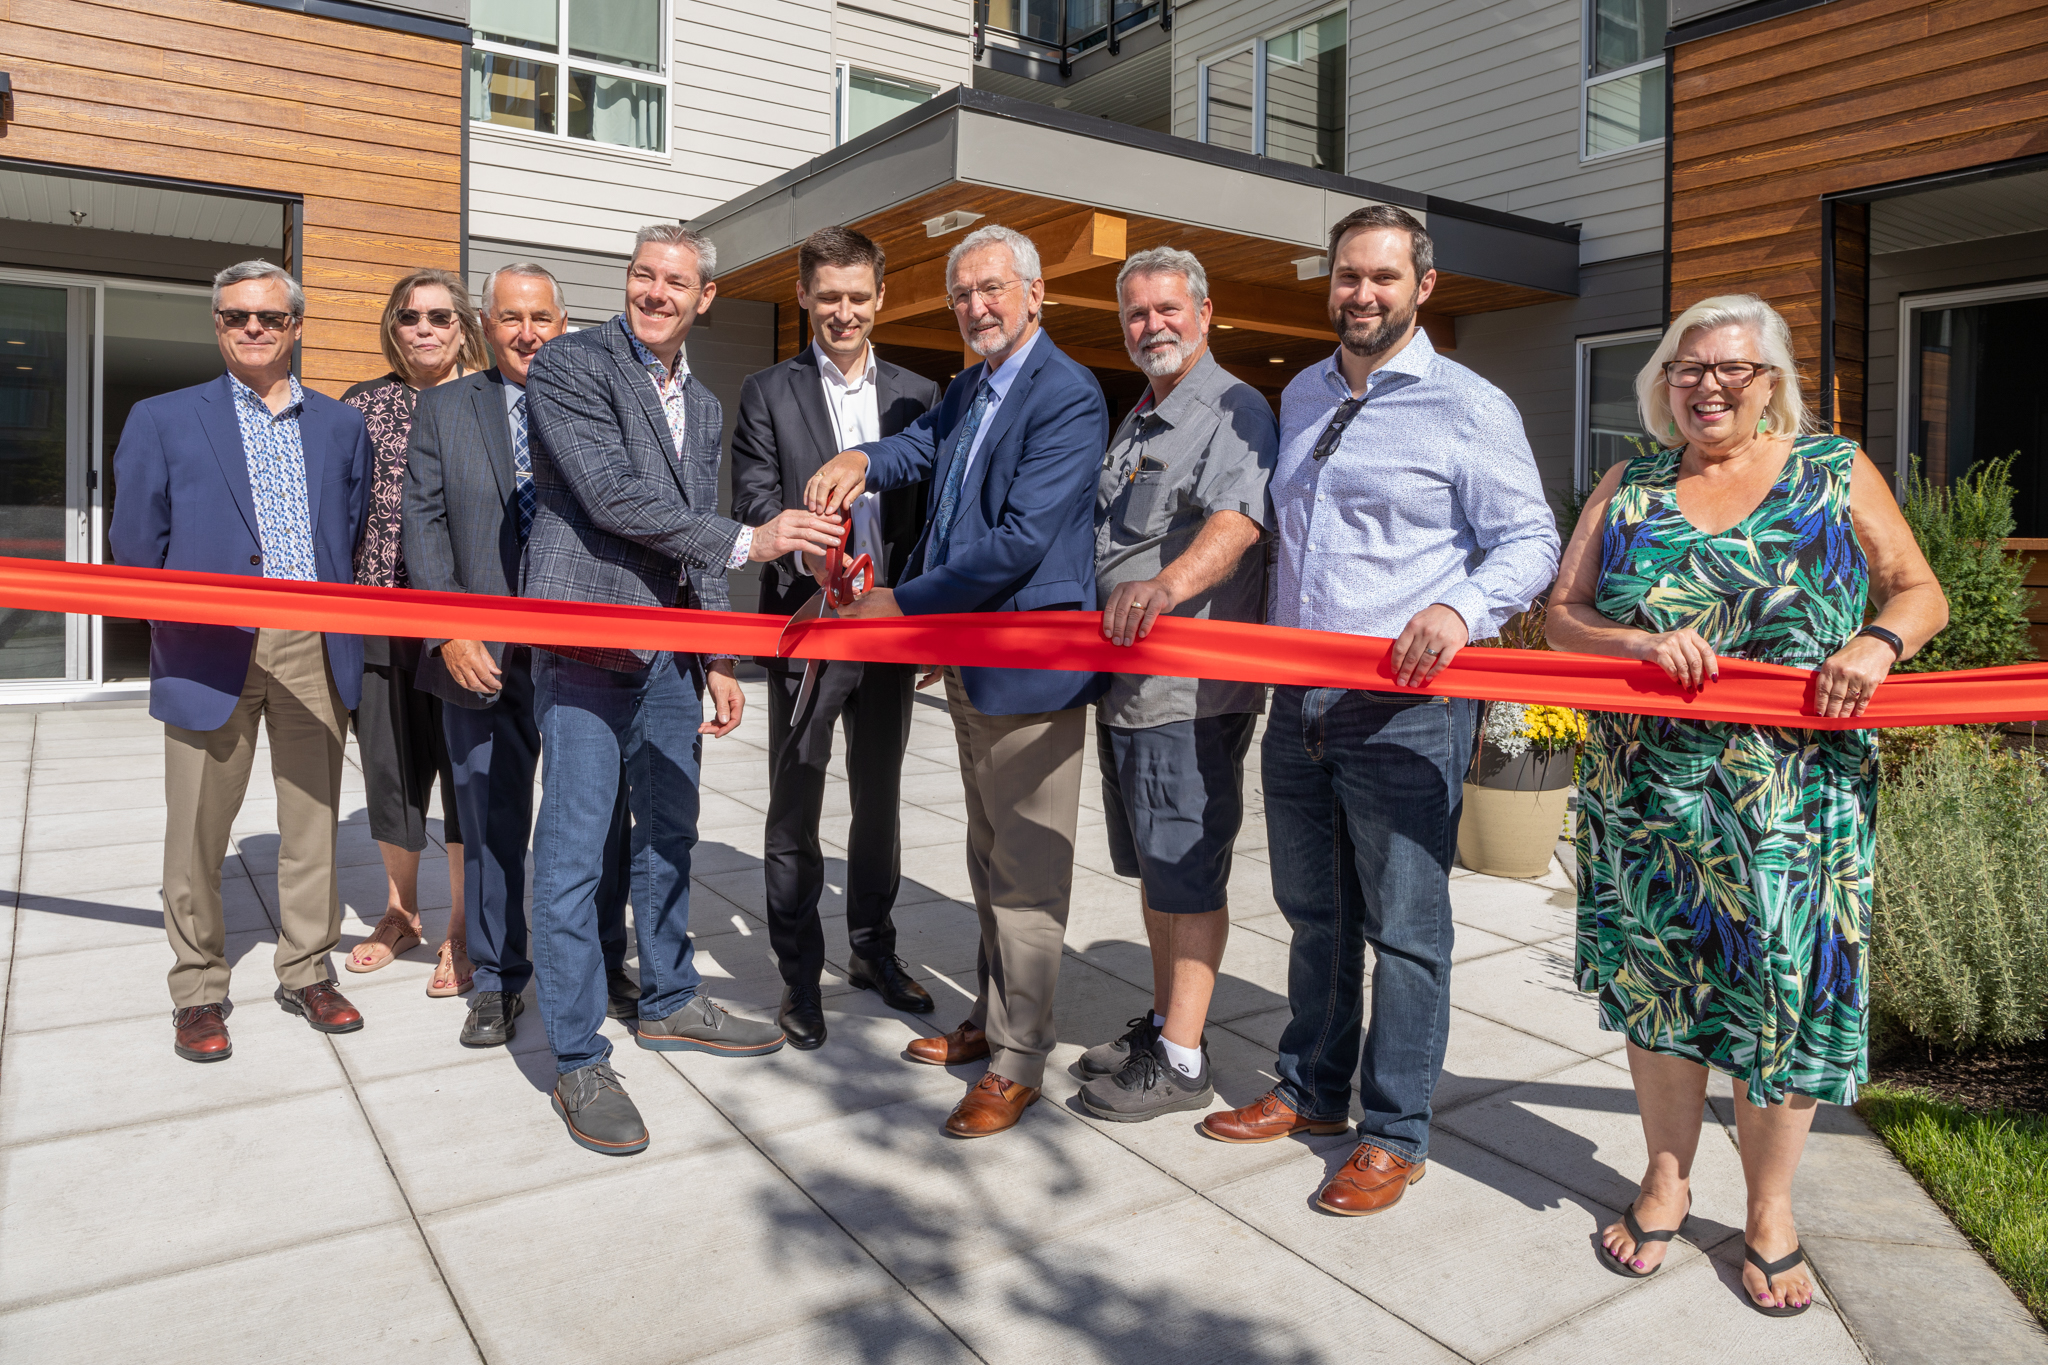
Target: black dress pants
(872, 703)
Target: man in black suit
(794, 417)
(468, 506)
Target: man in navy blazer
(1013, 452)
(248, 474)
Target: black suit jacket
(784, 434)
(461, 508)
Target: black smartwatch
(1880, 633)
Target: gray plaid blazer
(618, 518)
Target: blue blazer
(182, 501)
(1024, 535)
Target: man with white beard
(1179, 512)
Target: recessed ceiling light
(1226, 327)
(24, 367)
(1276, 360)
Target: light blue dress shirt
(998, 385)
(275, 454)
(1431, 496)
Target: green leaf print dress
(1724, 870)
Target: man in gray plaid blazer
(625, 455)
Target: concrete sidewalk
(388, 1195)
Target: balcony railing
(1065, 29)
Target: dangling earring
(1763, 426)
(1671, 430)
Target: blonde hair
(1785, 415)
(473, 355)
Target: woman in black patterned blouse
(431, 335)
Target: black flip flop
(1635, 1230)
(1770, 1269)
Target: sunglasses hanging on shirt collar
(1326, 444)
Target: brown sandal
(447, 979)
(393, 936)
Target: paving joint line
(28, 787)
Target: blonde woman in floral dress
(1724, 869)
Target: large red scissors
(845, 583)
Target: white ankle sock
(1158, 1019)
(1186, 1060)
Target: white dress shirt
(855, 408)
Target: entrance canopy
(1089, 191)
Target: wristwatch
(1880, 633)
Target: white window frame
(1903, 398)
(842, 94)
(1582, 415)
(1587, 80)
(665, 78)
(1257, 47)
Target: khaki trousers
(290, 689)
(1022, 775)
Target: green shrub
(1959, 948)
(1962, 529)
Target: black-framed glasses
(438, 317)
(234, 319)
(1733, 374)
(1326, 444)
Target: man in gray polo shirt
(1178, 519)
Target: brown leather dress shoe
(1266, 1119)
(966, 1043)
(1372, 1180)
(202, 1033)
(993, 1106)
(322, 1006)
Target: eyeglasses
(1733, 374)
(1326, 444)
(990, 293)
(234, 319)
(439, 317)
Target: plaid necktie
(522, 467)
(949, 499)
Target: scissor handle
(844, 588)
(834, 555)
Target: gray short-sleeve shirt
(1210, 447)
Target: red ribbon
(1752, 693)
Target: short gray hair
(528, 270)
(675, 234)
(1023, 255)
(260, 270)
(1786, 412)
(1166, 260)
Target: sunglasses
(234, 319)
(438, 317)
(1326, 444)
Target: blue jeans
(494, 751)
(1363, 792)
(599, 727)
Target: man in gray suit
(625, 475)
(469, 502)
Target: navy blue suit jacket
(182, 501)
(1024, 536)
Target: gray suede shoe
(1106, 1059)
(704, 1026)
(1148, 1086)
(594, 1105)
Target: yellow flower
(1554, 728)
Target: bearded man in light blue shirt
(1406, 505)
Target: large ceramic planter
(1514, 814)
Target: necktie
(522, 467)
(949, 497)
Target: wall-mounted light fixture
(1311, 267)
(949, 222)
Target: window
(1281, 97)
(1609, 426)
(1970, 378)
(1623, 93)
(867, 99)
(591, 70)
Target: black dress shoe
(898, 989)
(490, 1019)
(622, 996)
(802, 1018)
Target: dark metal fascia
(372, 16)
(160, 182)
(1729, 20)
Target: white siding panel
(919, 40)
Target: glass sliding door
(1972, 386)
(45, 429)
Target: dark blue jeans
(1363, 792)
(599, 727)
(494, 751)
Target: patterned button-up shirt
(669, 386)
(1431, 496)
(276, 457)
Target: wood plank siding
(365, 123)
(1769, 118)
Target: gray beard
(987, 344)
(1162, 366)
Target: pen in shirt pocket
(1148, 464)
